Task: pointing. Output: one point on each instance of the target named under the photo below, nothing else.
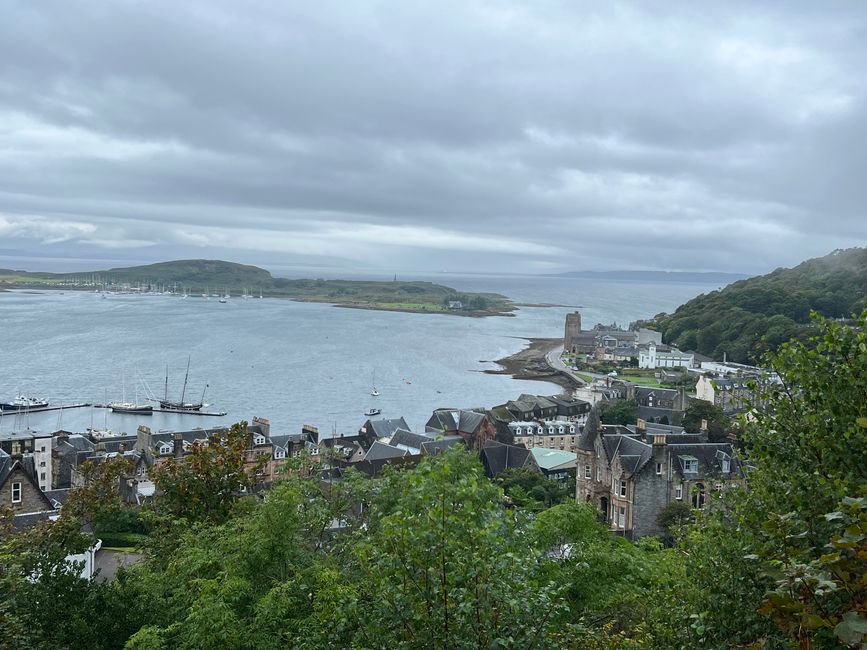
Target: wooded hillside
(750, 317)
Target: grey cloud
(442, 135)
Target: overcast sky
(530, 137)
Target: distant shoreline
(531, 364)
(507, 310)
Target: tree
(672, 517)
(620, 412)
(203, 485)
(98, 496)
(788, 547)
(533, 490)
(718, 425)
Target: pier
(45, 409)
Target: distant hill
(657, 276)
(217, 276)
(750, 317)
(192, 273)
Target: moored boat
(131, 408)
(23, 403)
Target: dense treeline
(750, 317)
(436, 557)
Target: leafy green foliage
(619, 412)
(533, 490)
(718, 424)
(788, 548)
(203, 484)
(753, 316)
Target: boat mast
(202, 401)
(166, 394)
(186, 376)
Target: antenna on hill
(395, 277)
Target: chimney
(178, 445)
(659, 440)
(265, 423)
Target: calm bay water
(291, 362)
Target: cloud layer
(499, 136)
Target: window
(16, 493)
(587, 472)
(42, 463)
(678, 491)
(726, 465)
(598, 473)
(690, 464)
(698, 495)
(623, 488)
(42, 476)
(659, 469)
(42, 448)
(16, 448)
(622, 517)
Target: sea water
(291, 362)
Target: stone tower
(573, 328)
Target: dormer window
(259, 440)
(726, 465)
(690, 464)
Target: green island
(751, 317)
(218, 277)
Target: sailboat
(131, 407)
(180, 405)
(373, 391)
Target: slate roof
(591, 429)
(498, 457)
(633, 452)
(642, 392)
(5, 466)
(709, 456)
(380, 451)
(386, 428)
(407, 439)
(434, 447)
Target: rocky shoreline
(530, 363)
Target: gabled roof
(709, 456)
(633, 453)
(591, 430)
(380, 451)
(433, 447)
(408, 440)
(386, 428)
(498, 457)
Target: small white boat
(372, 411)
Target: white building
(652, 357)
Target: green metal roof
(552, 458)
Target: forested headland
(753, 316)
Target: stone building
(20, 490)
(573, 329)
(630, 476)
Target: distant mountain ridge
(656, 276)
(750, 317)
